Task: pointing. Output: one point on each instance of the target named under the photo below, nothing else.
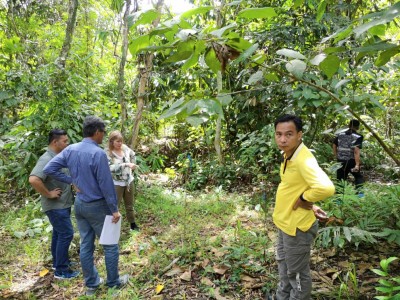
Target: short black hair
(354, 123)
(290, 118)
(55, 134)
(91, 124)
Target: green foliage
(389, 286)
(356, 221)
(349, 284)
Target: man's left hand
(116, 217)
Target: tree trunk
(69, 33)
(144, 74)
(121, 71)
(218, 127)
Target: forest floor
(208, 245)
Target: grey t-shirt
(66, 198)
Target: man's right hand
(56, 193)
(303, 204)
(116, 217)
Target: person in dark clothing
(346, 148)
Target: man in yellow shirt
(302, 184)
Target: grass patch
(190, 246)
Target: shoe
(134, 227)
(66, 275)
(72, 264)
(90, 291)
(123, 280)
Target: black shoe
(134, 226)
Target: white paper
(111, 231)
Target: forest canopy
(206, 82)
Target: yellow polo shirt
(302, 175)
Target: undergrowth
(210, 244)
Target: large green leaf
(184, 50)
(185, 34)
(321, 10)
(138, 44)
(256, 77)
(178, 56)
(204, 106)
(246, 54)
(383, 18)
(197, 119)
(257, 13)
(298, 3)
(224, 99)
(376, 47)
(220, 32)
(142, 17)
(272, 77)
(234, 3)
(212, 61)
(340, 34)
(196, 11)
(385, 56)
(379, 30)
(296, 67)
(316, 60)
(176, 108)
(210, 106)
(330, 50)
(290, 53)
(164, 30)
(341, 83)
(116, 5)
(330, 65)
(191, 61)
(235, 41)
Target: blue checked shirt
(89, 172)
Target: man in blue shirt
(96, 198)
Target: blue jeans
(63, 232)
(90, 219)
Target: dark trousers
(344, 171)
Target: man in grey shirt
(56, 199)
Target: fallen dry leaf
(44, 272)
(247, 278)
(174, 271)
(205, 263)
(344, 264)
(362, 267)
(217, 252)
(321, 277)
(206, 281)
(331, 252)
(159, 288)
(187, 276)
(220, 269)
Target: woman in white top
(122, 161)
